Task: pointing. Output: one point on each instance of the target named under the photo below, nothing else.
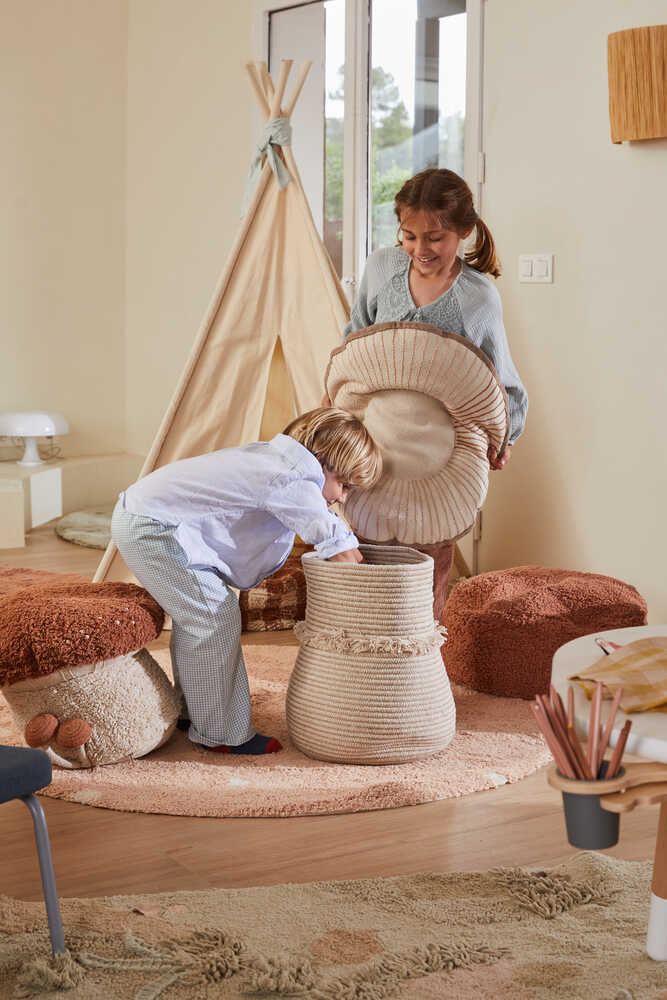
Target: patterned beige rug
(496, 742)
(576, 932)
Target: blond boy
(192, 530)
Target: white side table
(648, 736)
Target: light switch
(536, 267)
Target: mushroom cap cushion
(505, 626)
(48, 627)
(433, 403)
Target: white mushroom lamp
(31, 425)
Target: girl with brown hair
(424, 279)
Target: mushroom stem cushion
(76, 676)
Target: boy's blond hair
(341, 442)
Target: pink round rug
(496, 742)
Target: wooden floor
(102, 852)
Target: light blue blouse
(237, 510)
(471, 308)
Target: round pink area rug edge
(497, 742)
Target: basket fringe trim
(342, 640)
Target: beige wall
(587, 485)
(189, 132)
(62, 108)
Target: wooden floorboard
(104, 852)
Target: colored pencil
(606, 733)
(616, 756)
(557, 705)
(606, 646)
(562, 762)
(570, 705)
(594, 728)
(579, 753)
(561, 735)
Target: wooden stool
(642, 784)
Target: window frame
(356, 151)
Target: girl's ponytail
(483, 255)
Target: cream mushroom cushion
(433, 403)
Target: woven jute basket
(369, 685)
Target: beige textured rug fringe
(547, 894)
(381, 979)
(43, 975)
(209, 958)
(345, 641)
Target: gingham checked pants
(206, 638)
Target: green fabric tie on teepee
(277, 132)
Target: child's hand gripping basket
(369, 685)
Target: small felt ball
(39, 731)
(73, 733)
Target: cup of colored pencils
(589, 826)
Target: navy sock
(257, 745)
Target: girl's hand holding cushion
(497, 461)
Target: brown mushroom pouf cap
(505, 626)
(47, 627)
(433, 403)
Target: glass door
(395, 87)
(417, 99)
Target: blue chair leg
(48, 878)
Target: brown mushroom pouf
(505, 626)
(76, 676)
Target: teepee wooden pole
(255, 81)
(301, 79)
(105, 562)
(265, 77)
(285, 67)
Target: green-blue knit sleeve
(483, 319)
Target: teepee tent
(277, 312)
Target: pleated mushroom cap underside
(433, 403)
